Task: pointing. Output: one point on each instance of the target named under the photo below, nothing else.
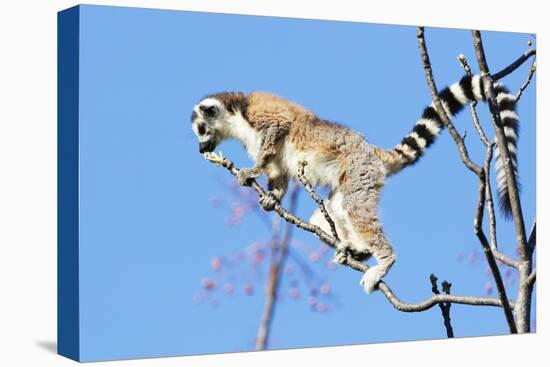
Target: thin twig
(529, 77)
(480, 172)
(532, 241)
(532, 278)
(486, 246)
(523, 309)
(316, 198)
(351, 262)
(516, 64)
(488, 192)
(459, 141)
(444, 306)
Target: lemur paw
(371, 278)
(268, 201)
(245, 176)
(341, 254)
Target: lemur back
(278, 134)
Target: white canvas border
(28, 184)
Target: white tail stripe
(476, 87)
(431, 125)
(419, 140)
(509, 114)
(508, 131)
(503, 96)
(410, 153)
(457, 91)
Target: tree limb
(532, 241)
(532, 278)
(529, 77)
(459, 141)
(488, 192)
(316, 198)
(279, 254)
(352, 263)
(524, 292)
(516, 64)
(444, 306)
(480, 172)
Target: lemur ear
(209, 111)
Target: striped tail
(453, 99)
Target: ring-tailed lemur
(278, 134)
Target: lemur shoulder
(278, 134)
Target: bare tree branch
(529, 77)
(480, 172)
(523, 309)
(444, 306)
(486, 246)
(316, 198)
(488, 192)
(459, 141)
(532, 242)
(516, 64)
(532, 278)
(352, 263)
(279, 254)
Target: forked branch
(352, 263)
(480, 172)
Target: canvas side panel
(67, 183)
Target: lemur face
(207, 122)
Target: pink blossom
(321, 307)
(325, 288)
(216, 263)
(489, 288)
(208, 284)
(248, 289)
(294, 293)
(314, 256)
(258, 257)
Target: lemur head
(211, 118)
(207, 121)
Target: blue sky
(148, 229)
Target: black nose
(206, 146)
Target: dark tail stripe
(466, 85)
(411, 142)
(430, 114)
(507, 104)
(452, 103)
(425, 134)
(454, 98)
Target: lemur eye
(201, 129)
(209, 111)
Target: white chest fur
(240, 129)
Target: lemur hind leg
(364, 179)
(335, 209)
